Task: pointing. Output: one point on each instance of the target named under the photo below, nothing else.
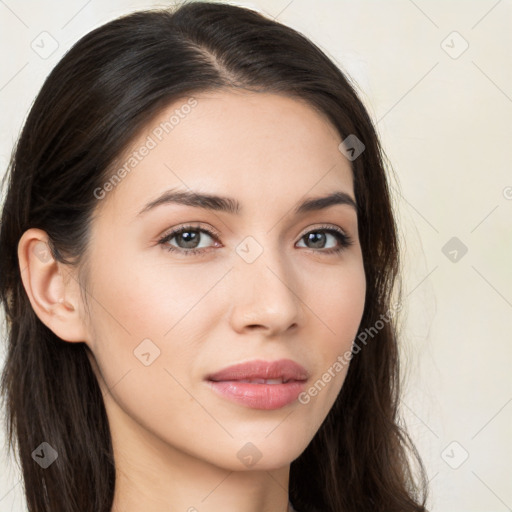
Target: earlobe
(51, 289)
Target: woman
(198, 255)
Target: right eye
(189, 236)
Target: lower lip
(259, 396)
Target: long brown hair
(101, 94)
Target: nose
(265, 295)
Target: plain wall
(437, 80)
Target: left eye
(188, 239)
(319, 237)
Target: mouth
(260, 384)
(260, 372)
(262, 381)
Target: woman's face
(264, 283)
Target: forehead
(257, 147)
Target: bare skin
(176, 442)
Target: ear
(51, 288)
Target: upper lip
(284, 369)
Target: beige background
(444, 114)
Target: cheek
(150, 315)
(339, 302)
(142, 299)
(146, 344)
(338, 305)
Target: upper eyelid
(174, 231)
(214, 233)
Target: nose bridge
(265, 287)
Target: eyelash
(344, 239)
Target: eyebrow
(232, 206)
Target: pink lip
(259, 369)
(260, 395)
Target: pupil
(317, 238)
(192, 238)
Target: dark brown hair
(106, 88)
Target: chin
(267, 455)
